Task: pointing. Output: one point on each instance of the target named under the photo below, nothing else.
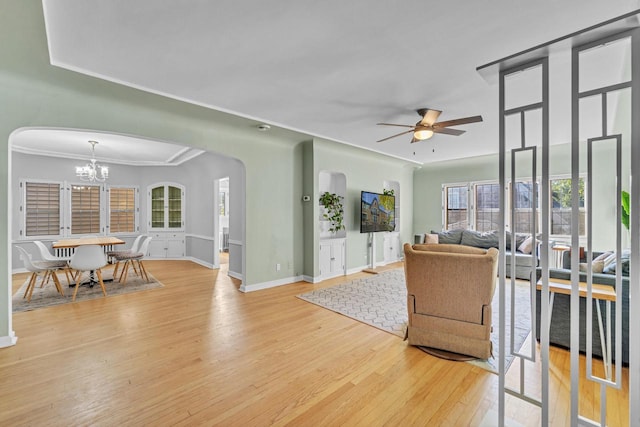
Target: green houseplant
(626, 209)
(334, 211)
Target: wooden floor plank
(200, 352)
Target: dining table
(81, 241)
(64, 247)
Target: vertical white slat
(634, 227)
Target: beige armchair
(449, 293)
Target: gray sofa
(489, 239)
(559, 334)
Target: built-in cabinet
(393, 250)
(332, 255)
(332, 258)
(166, 211)
(166, 245)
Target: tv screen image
(377, 212)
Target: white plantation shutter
(42, 209)
(85, 209)
(122, 210)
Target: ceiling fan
(427, 126)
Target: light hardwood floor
(199, 352)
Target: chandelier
(92, 171)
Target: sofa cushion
(452, 237)
(521, 259)
(486, 240)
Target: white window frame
(136, 219)
(65, 208)
(23, 209)
(444, 203)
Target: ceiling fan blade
(457, 122)
(393, 136)
(414, 139)
(429, 116)
(394, 124)
(448, 131)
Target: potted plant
(334, 211)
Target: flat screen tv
(377, 212)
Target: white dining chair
(88, 258)
(37, 267)
(48, 256)
(133, 249)
(134, 260)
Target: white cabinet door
(156, 248)
(392, 249)
(175, 247)
(337, 258)
(332, 258)
(325, 258)
(167, 245)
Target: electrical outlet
(278, 267)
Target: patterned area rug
(48, 295)
(380, 300)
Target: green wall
(364, 171)
(280, 165)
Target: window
(523, 206)
(122, 210)
(487, 206)
(60, 209)
(456, 207)
(85, 209)
(560, 193)
(41, 208)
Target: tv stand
(372, 256)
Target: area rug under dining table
(380, 300)
(47, 295)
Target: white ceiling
(332, 68)
(111, 148)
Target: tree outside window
(561, 206)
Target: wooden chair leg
(104, 290)
(143, 271)
(35, 278)
(115, 270)
(32, 281)
(125, 271)
(66, 273)
(45, 279)
(56, 282)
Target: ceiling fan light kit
(427, 126)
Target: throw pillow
(603, 256)
(596, 266)
(526, 246)
(430, 238)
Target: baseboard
(8, 340)
(235, 275)
(357, 269)
(270, 284)
(201, 262)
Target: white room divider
(602, 105)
